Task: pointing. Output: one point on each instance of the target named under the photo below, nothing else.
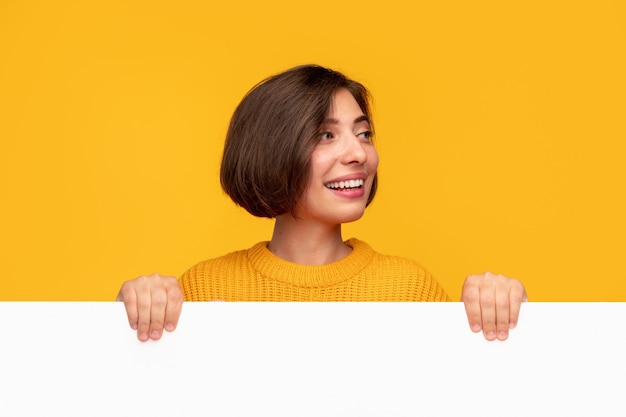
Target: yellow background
(500, 126)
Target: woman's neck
(307, 243)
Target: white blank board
(312, 359)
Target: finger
(471, 298)
(502, 314)
(128, 295)
(158, 300)
(173, 307)
(144, 303)
(517, 297)
(488, 312)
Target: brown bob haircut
(272, 134)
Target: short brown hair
(272, 134)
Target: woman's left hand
(492, 303)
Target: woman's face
(343, 165)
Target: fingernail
(155, 334)
(512, 325)
(169, 327)
(491, 335)
(133, 326)
(143, 337)
(475, 328)
(503, 335)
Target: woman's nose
(354, 151)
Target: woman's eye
(326, 135)
(365, 135)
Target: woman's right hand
(153, 303)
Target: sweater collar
(271, 266)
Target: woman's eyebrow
(362, 118)
(333, 121)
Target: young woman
(299, 150)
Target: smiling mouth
(345, 185)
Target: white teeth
(345, 184)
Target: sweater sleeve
(189, 293)
(194, 286)
(432, 290)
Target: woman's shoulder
(223, 261)
(210, 279)
(399, 278)
(394, 260)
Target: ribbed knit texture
(256, 274)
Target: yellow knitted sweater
(256, 274)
